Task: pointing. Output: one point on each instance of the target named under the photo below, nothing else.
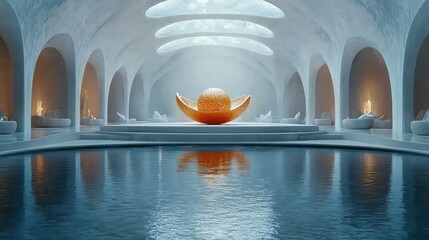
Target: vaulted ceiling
(126, 36)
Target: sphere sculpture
(213, 107)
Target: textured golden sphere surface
(213, 100)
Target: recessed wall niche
(6, 80)
(50, 85)
(325, 100)
(369, 86)
(421, 82)
(90, 93)
(117, 98)
(137, 99)
(294, 98)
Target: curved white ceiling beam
(222, 41)
(171, 8)
(214, 26)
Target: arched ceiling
(126, 36)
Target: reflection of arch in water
(92, 172)
(321, 170)
(294, 167)
(213, 162)
(117, 164)
(365, 180)
(416, 196)
(11, 193)
(53, 181)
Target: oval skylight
(223, 41)
(171, 8)
(214, 26)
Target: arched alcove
(6, 80)
(136, 99)
(90, 93)
(117, 98)
(369, 85)
(421, 80)
(294, 98)
(325, 99)
(50, 86)
(416, 36)
(17, 105)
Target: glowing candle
(367, 106)
(39, 109)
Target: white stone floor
(362, 138)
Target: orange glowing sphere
(214, 99)
(214, 106)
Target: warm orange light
(367, 106)
(214, 106)
(213, 163)
(39, 108)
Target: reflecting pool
(214, 193)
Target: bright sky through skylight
(214, 26)
(242, 43)
(258, 8)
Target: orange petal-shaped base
(189, 108)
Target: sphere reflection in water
(213, 164)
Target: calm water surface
(214, 193)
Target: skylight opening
(170, 8)
(222, 26)
(222, 41)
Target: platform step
(201, 129)
(208, 137)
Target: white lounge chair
(365, 121)
(157, 117)
(382, 123)
(265, 118)
(296, 120)
(421, 127)
(51, 119)
(6, 126)
(92, 121)
(355, 123)
(325, 120)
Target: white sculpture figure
(369, 115)
(265, 118)
(157, 117)
(122, 117)
(295, 120)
